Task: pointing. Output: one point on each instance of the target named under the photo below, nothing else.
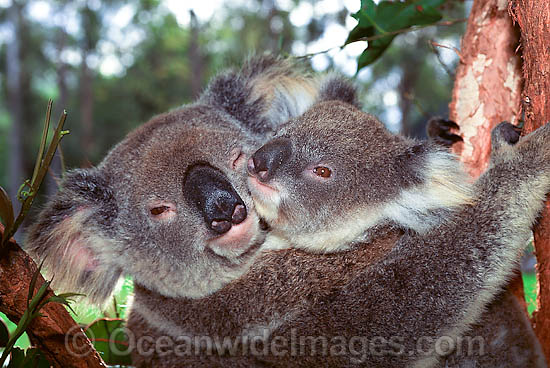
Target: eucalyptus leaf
(380, 23)
(17, 358)
(30, 358)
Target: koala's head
(169, 205)
(335, 171)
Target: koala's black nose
(264, 162)
(209, 190)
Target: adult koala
(168, 205)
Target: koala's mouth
(266, 199)
(239, 239)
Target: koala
(168, 205)
(399, 284)
(297, 174)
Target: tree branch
(55, 333)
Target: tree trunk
(488, 81)
(86, 109)
(15, 103)
(487, 88)
(55, 170)
(91, 30)
(533, 17)
(411, 71)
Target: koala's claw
(440, 131)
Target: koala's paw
(440, 131)
(505, 134)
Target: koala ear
(264, 94)
(338, 88)
(72, 237)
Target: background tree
(533, 18)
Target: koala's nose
(213, 195)
(265, 162)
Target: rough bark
(55, 333)
(533, 18)
(488, 81)
(487, 88)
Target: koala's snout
(265, 162)
(213, 195)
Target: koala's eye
(155, 211)
(162, 210)
(322, 171)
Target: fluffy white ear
(70, 237)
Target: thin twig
(41, 169)
(457, 51)
(385, 34)
(433, 45)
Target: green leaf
(6, 210)
(110, 339)
(4, 334)
(385, 20)
(17, 358)
(31, 358)
(373, 51)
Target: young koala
(313, 172)
(421, 255)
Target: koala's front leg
(491, 234)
